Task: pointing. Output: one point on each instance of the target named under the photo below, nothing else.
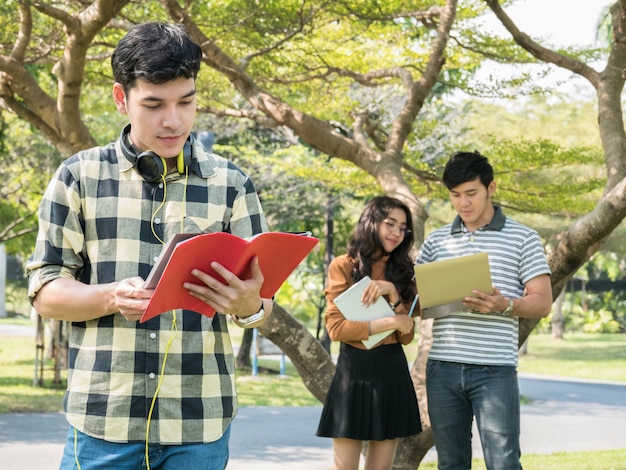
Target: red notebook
(279, 254)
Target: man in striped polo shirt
(472, 365)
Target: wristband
(255, 317)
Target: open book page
(278, 253)
(350, 305)
(157, 270)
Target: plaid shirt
(98, 223)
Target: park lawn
(587, 356)
(18, 395)
(17, 376)
(579, 355)
(592, 460)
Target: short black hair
(467, 166)
(157, 53)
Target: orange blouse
(349, 331)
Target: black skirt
(371, 396)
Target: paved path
(565, 416)
(572, 415)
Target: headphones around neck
(148, 164)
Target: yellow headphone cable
(173, 330)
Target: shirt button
(152, 375)
(161, 185)
(152, 335)
(157, 221)
(155, 259)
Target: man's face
(161, 115)
(472, 201)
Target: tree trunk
(310, 359)
(523, 349)
(329, 251)
(58, 349)
(40, 344)
(411, 450)
(558, 320)
(243, 356)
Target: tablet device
(443, 284)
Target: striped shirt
(516, 256)
(100, 222)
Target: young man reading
(472, 365)
(159, 394)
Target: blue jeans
(458, 392)
(99, 454)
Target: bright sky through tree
(560, 22)
(553, 23)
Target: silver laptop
(443, 284)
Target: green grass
(18, 395)
(270, 389)
(579, 355)
(17, 375)
(599, 460)
(588, 356)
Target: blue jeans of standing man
(458, 392)
(88, 453)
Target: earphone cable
(173, 332)
(157, 211)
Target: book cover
(279, 254)
(350, 305)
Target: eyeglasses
(393, 226)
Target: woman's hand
(377, 288)
(404, 324)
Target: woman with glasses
(371, 397)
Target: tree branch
(419, 91)
(286, 38)
(250, 114)
(307, 127)
(540, 52)
(301, 347)
(24, 34)
(54, 13)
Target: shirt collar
(496, 224)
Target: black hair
(467, 166)
(157, 53)
(364, 246)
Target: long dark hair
(364, 246)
